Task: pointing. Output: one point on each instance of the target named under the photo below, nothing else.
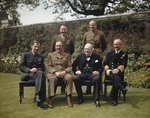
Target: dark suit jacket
(29, 61)
(113, 61)
(80, 60)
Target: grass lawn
(137, 103)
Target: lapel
(82, 60)
(92, 59)
(32, 56)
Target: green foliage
(138, 71)
(96, 7)
(7, 37)
(122, 24)
(75, 7)
(78, 50)
(9, 64)
(24, 38)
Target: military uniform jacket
(113, 61)
(58, 62)
(68, 43)
(79, 62)
(29, 61)
(97, 39)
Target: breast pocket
(38, 62)
(29, 62)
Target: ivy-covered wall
(133, 29)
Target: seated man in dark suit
(89, 68)
(32, 69)
(114, 65)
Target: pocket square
(96, 61)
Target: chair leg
(124, 97)
(105, 91)
(21, 92)
(119, 92)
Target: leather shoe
(97, 103)
(41, 105)
(124, 90)
(81, 100)
(37, 98)
(114, 103)
(69, 103)
(50, 105)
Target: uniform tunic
(68, 43)
(59, 62)
(97, 39)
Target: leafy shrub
(9, 64)
(138, 71)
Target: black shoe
(97, 103)
(124, 90)
(114, 103)
(41, 105)
(81, 100)
(37, 98)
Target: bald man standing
(87, 66)
(97, 39)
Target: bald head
(93, 25)
(59, 46)
(117, 44)
(88, 49)
(59, 43)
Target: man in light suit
(32, 69)
(59, 67)
(89, 68)
(114, 66)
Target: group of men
(87, 66)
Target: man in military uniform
(97, 39)
(32, 69)
(59, 67)
(68, 44)
(114, 66)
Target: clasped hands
(33, 70)
(114, 71)
(60, 74)
(94, 72)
